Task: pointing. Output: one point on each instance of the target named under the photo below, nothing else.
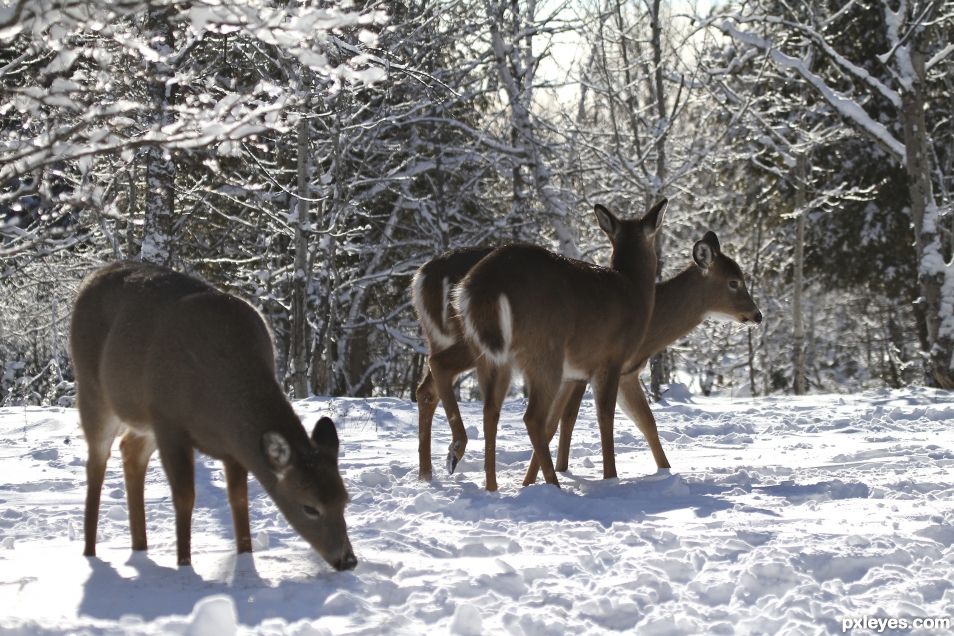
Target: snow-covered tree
(889, 102)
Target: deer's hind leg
(427, 398)
(494, 382)
(445, 366)
(541, 409)
(605, 384)
(178, 462)
(100, 428)
(136, 448)
(567, 422)
(568, 402)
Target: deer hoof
(453, 457)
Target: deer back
(528, 305)
(431, 290)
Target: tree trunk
(301, 276)
(798, 345)
(158, 226)
(755, 279)
(659, 368)
(932, 269)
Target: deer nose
(346, 562)
(758, 317)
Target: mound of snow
(213, 615)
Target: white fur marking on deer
(571, 373)
(505, 316)
(433, 331)
(445, 301)
(186, 367)
(498, 352)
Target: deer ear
(713, 241)
(653, 219)
(324, 436)
(703, 254)
(277, 451)
(607, 220)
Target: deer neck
(679, 308)
(639, 273)
(266, 411)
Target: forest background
(309, 156)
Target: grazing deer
(713, 286)
(560, 320)
(182, 366)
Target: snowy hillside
(781, 515)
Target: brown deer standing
(560, 320)
(181, 366)
(449, 354)
(713, 286)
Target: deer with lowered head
(559, 320)
(180, 366)
(712, 286)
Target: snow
(781, 514)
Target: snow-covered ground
(781, 515)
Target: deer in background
(181, 366)
(714, 285)
(559, 320)
(449, 354)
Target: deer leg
(633, 401)
(100, 430)
(178, 461)
(426, 406)
(570, 413)
(445, 366)
(540, 406)
(236, 479)
(568, 398)
(136, 450)
(494, 382)
(605, 385)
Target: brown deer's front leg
(236, 479)
(633, 401)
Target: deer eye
(311, 512)
(733, 284)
